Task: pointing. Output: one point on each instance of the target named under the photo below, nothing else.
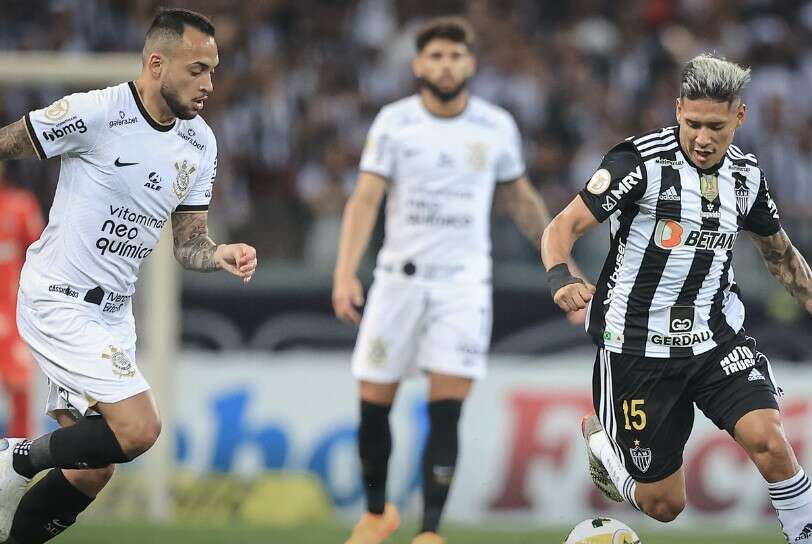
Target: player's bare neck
(154, 103)
(439, 108)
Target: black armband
(559, 276)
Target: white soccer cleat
(600, 476)
(12, 486)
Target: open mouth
(198, 102)
(702, 155)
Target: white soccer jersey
(122, 175)
(442, 173)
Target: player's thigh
(645, 408)
(458, 331)
(735, 380)
(447, 387)
(390, 330)
(378, 393)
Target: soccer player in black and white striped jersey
(666, 313)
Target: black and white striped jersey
(667, 287)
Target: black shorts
(646, 404)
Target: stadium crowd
(300, 81)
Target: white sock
(601, 446)
(792, 500)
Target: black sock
(47, 509)
(439, 460)
(374, 447)
(89, 443)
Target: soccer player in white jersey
(132, 157)
(667, 315)
(440, 154)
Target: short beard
(175, 105)
(443, 96)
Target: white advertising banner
(522, 456)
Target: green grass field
(332, 534)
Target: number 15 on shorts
(634, 414)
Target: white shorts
(411, 325)
(86, 358)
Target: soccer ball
(602, 531)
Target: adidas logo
(669, 194)
(755, 375)
(806, 533)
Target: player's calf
(52, 505)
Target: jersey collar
(145, 114)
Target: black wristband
(559, 276)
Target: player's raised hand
(574, 297)
(237, 259)
(348, 296)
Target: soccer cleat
(590, 425)
(428, 538)
(374, 528)
(12, 486)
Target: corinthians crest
(122, 366)
(641, 457)
(185, 171)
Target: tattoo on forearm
(194, 250)
(15, 142)
(786, 263)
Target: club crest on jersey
(182, 180)
(122, 366)
(477, 156)
(742, 193)
(641, 457)
(709, 187)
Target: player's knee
(769, 446)
(140, 437)
(666, 510)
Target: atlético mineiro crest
(641, 457)
(182, 180)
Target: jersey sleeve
(763, 217)
(379, 152)
(510, 164)
(199, 195)
(70, 125)
(619, 182)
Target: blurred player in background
(442, 156)
(21, 224)
(133, 157)
(667, 315)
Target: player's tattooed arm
(194, 250)
(525, 206)
(787, 264)
(15, 142)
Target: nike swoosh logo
(120, 164)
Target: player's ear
(678, 110)
(155, 64)
(471, 64)
(416, 66)
(741, 114)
